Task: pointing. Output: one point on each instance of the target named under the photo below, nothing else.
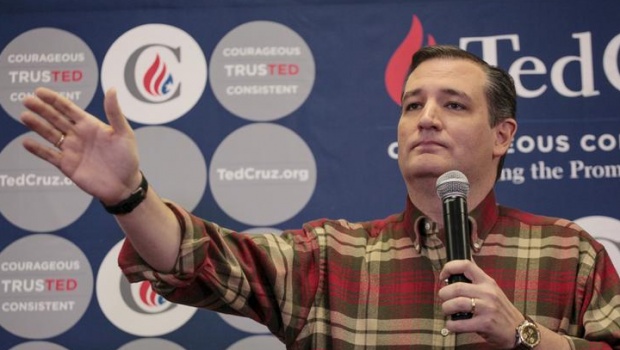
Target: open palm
(100, 158)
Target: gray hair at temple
(500, 88)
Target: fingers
(62, 114)
(51, 116)
(459, 290)
(54, 119)
(50, 133)
(462, 305)
(464, 297)
(62, 106)
(113, 112)
(466, 267)
(474, 273)
(493, 314)
(48, 154)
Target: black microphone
(452, 188)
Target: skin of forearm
(154, 231)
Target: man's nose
(430, 117)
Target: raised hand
(99, 158)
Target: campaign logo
(46, 284)
(141, 298)
(32, 190)
(398, 64)
(136, 308)
(262, 174)
(157, 80)
(159, 72)
(48, 57)
(148, 73)
(262, 71)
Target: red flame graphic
(399, 62)
(152, 80)
(147, 295)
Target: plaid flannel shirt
(373, 285)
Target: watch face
(530, 335)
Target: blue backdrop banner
(262, 115)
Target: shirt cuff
(191, 256)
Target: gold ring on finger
(60, 141)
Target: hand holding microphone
(453, 187)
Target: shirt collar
(482, 219)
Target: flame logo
(145, 300)
(142, 299)
(148, 297)
(157, 80)
(399, 62)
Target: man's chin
(425, 174)
(425, 166)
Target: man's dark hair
(500, 88)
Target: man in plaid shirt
(536, 282)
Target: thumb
(113, 112)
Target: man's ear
(504, 134)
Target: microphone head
(452, 184)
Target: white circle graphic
(35, 195)
(47, 57)
(245, 324)
(159, 71)
(262, 71)
(47, 284)
(258, 342)
(38, 345)
(151, 344)
(173, 164)
(607, 231)
(262, 174)
(125, 307)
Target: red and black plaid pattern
(373, 285)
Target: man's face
(444, 123)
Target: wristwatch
(527, 335)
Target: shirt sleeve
(600, 310)
(270, 278)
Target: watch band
(131, 202)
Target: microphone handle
(456, 226)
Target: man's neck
(423, 195)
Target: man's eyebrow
(458, 93)
(446, 91)
(409, 93)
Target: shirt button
(477, 245)
(445, 332)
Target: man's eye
(412, 106)
(455, 105)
